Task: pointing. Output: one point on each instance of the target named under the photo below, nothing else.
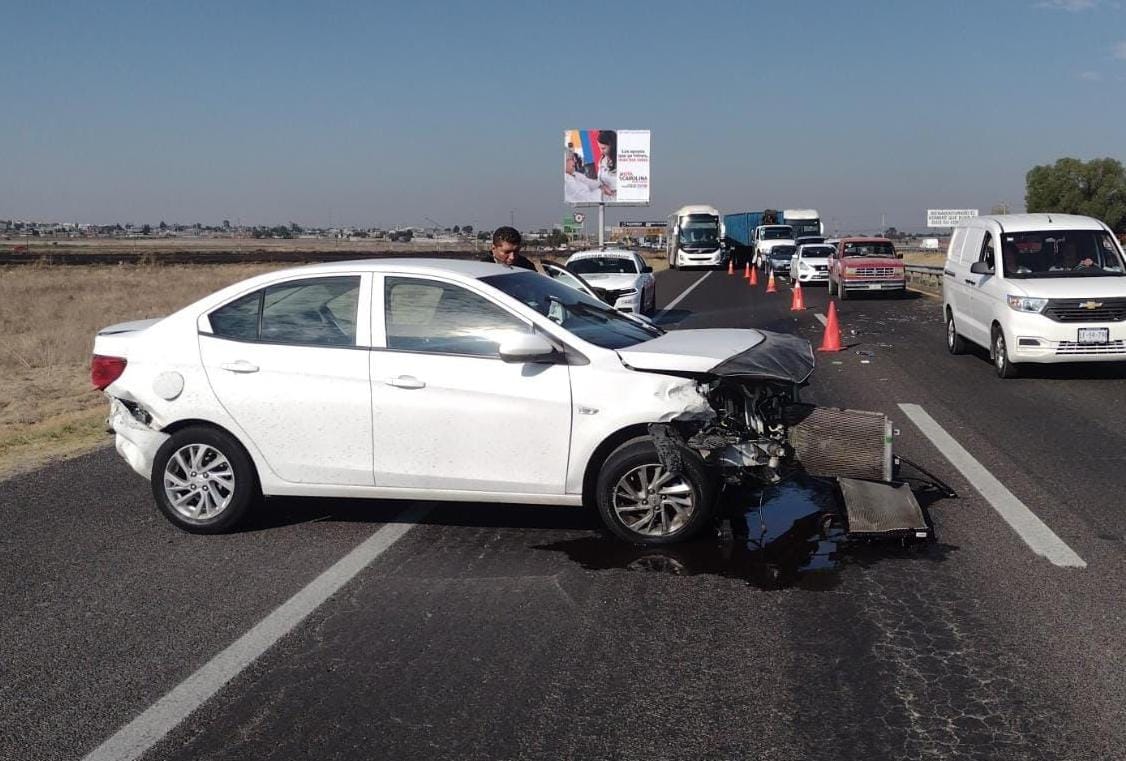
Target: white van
(1035, 288)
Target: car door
(289, 363)
(978, 309)
(449, 413)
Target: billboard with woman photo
(606, 166)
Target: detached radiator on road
(845, 443)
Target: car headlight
(1027, 303)
(803, 266)
(627, 292)
(851, 271)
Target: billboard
(608, 166)
(948, 217)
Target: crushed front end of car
(763, 434)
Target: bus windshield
(699, 231)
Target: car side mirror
(646, 268)
(527, 347)
(981, 268)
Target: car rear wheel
(203, 480)
(841, 290)
(643, 502)
(1000, 355)
(955, 344)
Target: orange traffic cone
(747, 271)
(753, 279)
(832, 338)
(770, 283)
(730, 266)
(797, 304)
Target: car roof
(1019, 223)
(421, 266)
(864, 239)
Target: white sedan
(442, 380)
(811, 263)
(623, 278)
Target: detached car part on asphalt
(463, 381)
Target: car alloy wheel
(651, 501)
(199, 482)
(955, 344)
(1001, 363)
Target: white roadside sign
(948, 217)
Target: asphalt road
(505, 632)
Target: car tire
(999, 353)
(955, 344)
(841, 292)
(677, 511)
(829, 286)
(203, 480)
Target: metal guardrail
(924, 277)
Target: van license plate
(1094, 335)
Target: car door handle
(242, 366)
(405, 381)
(970, 282)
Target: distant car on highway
(806, 240)
(1035, 288)
(623, 278)
(811, 263)
(778, 260)
(444, 380)
(866, 265)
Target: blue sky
(389, 113)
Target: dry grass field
(48, 317)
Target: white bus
(694, 237)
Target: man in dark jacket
(506, 249)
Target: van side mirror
(981, 268)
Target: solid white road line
(164, 715)
(679, 298)
(1035, 533)
(824, 320)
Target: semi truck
(743, 233)
(694, 237)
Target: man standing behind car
(506, 249)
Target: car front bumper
(874, 285)
(689, 259)
(1035, 338)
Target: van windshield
(1061, 253)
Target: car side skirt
(437, 495)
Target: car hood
(766, 245)
(725, 352)
(1068, 287)
(611, 280)
(815, 259)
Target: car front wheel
(203, 480)
(643, 502)
(1000, 352)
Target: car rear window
(310, 312)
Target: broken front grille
(1088, 310)
(835, 442)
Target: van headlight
(1027, 303)
(803, 266)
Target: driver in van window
(1068, 258)
(1014, 261)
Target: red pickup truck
(865, 264)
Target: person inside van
(1014, 260)
(1068, 257)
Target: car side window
(238, 319)
(312, 312)
(987, 254)
(443, 318)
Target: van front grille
(1086, 310)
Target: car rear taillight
(105, 370)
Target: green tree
(467, 229)
(1096, 188)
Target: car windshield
(876, 249)
(782, 252)
(1069, 253)
(778, 233)
(587, 318)
(598, 265)
(810, 252)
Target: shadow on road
(1072, 371)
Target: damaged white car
(449, 380)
